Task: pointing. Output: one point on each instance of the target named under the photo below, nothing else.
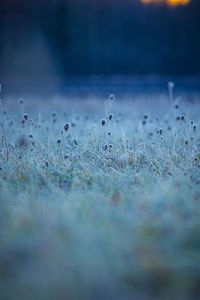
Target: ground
(100, 199)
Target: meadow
(100, 199)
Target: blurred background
(51, 43)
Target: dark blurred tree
(82, 37)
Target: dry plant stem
(5, 139)
(3, 128)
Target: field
(100, 199)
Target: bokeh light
(169, 2)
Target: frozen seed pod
(21, 101)
(26, 116)
(110, 116)
(111, 97)
(66, 127)
(103, 122)
(22, 142)
(170, 85)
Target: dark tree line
(81, 37)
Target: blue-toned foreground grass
(100, 205)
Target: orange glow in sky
(169, 2)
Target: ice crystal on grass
(107, 208)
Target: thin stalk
(3, 127)
(5, 139)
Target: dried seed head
(22, 142)
(105, 147)
(176, 106)
(103, 122)
(21, 101)
(66, 127)
(46, 164)
(112, 97)
(177, 118)
(182, 118)
(145, 117)
(26, 116)
(58, 141)
(161, 131)
(110, 116)
(186, 142)
(170, 85)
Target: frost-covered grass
(100, 211)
